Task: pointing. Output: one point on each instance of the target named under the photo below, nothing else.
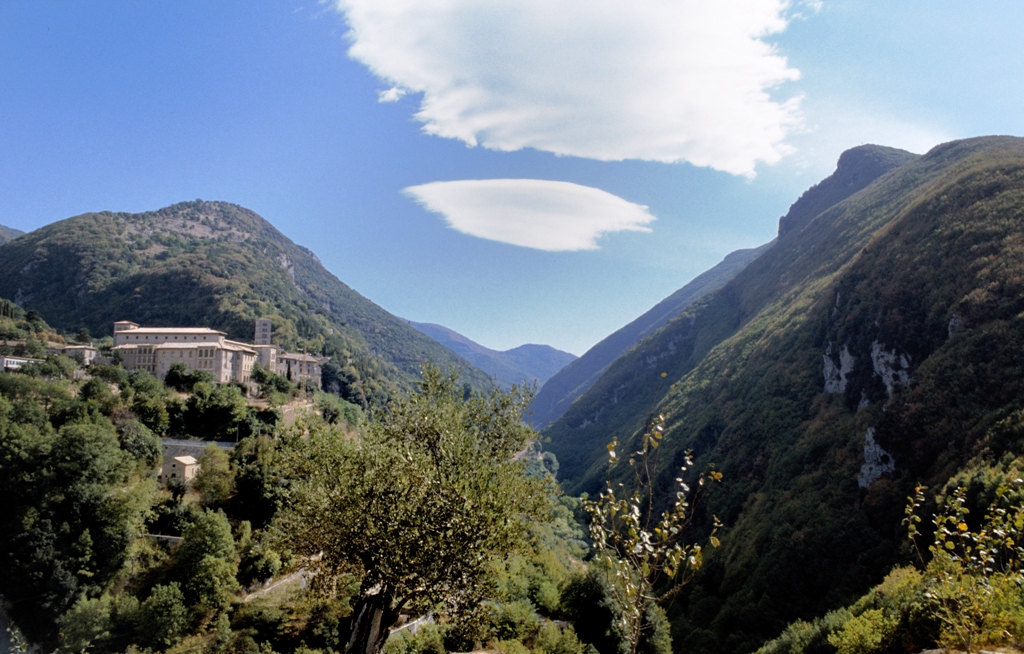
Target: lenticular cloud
(533, 213)
(659, 80)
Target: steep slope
(874, 347)
(525, 364)
(857, 167)
(219, 265)
(8, 233)
(559, 392)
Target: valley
(873, 347)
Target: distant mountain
(875, 346)
(559, 392)
(219, 265)
(524, 364)
(8, 233)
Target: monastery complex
(156, 349)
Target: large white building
(156, 349)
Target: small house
(179, 467)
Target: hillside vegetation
(219, 265)
(8, 233)
(526, 364)
(857, 168)
(876, 345)
(559, 392)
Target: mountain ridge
(559, 392)
(855, 169)
(525, 364)
(872, 348)
(220, 265)
(8, 234)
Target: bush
(180, 378)
(427, 640)
(552, 640)
(164, 616)
(512, 620)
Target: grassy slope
(935, 241)
(214, 264)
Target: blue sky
(537, 172)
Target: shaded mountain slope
(8, 233)
(214, 264)
(525, 364)
(857, 167)
(875, 347)
(559, 392)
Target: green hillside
(857, 168)
(219, 265)
(559, 392)
(8, 233)
(876, 345)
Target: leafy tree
(215, 480)
(179, 377)
(646, 554)
(259, 482)
(205, 562)
(165, 616)
(420, 504)
(213, 413)
(972, 583)
(139, 441)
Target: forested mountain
(573, 380)
(8, 233)
(876, 345)
(525, 364)
(857, 168)
(219, 265)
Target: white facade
(156, 349)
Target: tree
(215, 480)
(646, 555)
(420, 504)
(206, 561)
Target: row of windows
(168, 338)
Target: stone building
(179, 467)
(85, 354)
(299, 367)
(296, 367)
(156, 349)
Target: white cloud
(533, 213)
(660, 80)
(394, 94)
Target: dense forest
(100, 556)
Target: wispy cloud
(660, 80)
(533, 213)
